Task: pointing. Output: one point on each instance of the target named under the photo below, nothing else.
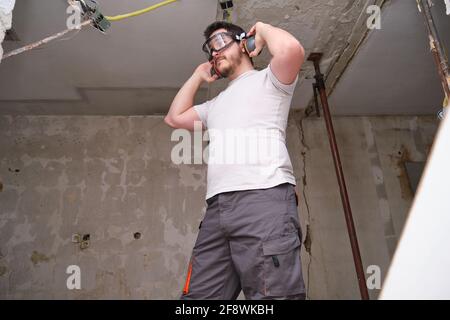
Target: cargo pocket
(282, 267)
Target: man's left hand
(260, 43)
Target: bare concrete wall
(373, 151)
(111, 177)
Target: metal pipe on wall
(436, 45)
(320, 86)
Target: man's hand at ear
(287, 53)
(181, 114)
(260, 43)
(204, 72)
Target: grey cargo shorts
(248, 240)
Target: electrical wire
(43, 41)
(85, 23)
(139, 12)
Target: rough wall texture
(104, 176)
(373, 151)
(111, 177)
(320, 25)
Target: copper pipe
(316, 101)
(320, 83)
(436, 46)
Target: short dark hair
(230, 27)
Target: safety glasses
(217, 43)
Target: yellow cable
(139, 12)
(229, 12)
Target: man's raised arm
(181, 114)
(287, 53)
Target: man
(250, 236)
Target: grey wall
(112, 176)
(106, 176)
(373, 151)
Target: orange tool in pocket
(188, 278)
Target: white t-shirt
(247, 124)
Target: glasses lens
(217, 42)
(220, 41)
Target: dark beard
(226, 72)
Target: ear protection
(249, 44)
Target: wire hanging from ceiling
(82, 25)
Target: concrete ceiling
(134, 69)
(394, 71)
(139, 65)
